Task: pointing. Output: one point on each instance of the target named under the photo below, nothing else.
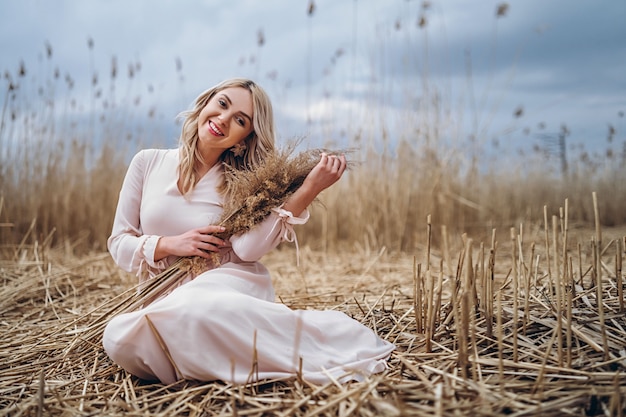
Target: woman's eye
(241, 121)
(222, 102)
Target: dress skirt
(224, 325)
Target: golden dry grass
(531, 341)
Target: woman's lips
(214, 129)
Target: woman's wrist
(160, 250)
(300, 200)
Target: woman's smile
(214, 129)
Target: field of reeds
(502, 289)
(64, 152)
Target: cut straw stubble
(416, 381)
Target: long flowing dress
(223, 324)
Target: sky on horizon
(345, 68)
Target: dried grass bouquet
(252, 194)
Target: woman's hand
(196, 242)
(328, 171)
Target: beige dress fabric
(216, 324)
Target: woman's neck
(210, 157)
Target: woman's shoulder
(146, 160)
(153, 155)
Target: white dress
(224, 324)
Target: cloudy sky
(451, 69)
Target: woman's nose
(224, 117)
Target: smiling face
(226, 120)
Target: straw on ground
(533, 325)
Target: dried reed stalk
(558, 300)
(428, 310)
(547, 243)
(618, 274)
(514, 262)
(417, 296)
(489, 285)
(569, 301)
(598, 270)
(162, 345)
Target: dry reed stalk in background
(598, 270)
(618, 274)
(428, 310)
(417, 295)
(500, 337)
(489, 281)
(547, 243)
(527, 285)
(569, 300)
(558, 302)
(437, 312)
(515, 291)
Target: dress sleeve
(265, 236)
(129, 247)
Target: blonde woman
(213, 325)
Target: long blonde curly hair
(259, 144)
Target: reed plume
(252, 194)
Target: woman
(223, 324)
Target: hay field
(530, 326)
